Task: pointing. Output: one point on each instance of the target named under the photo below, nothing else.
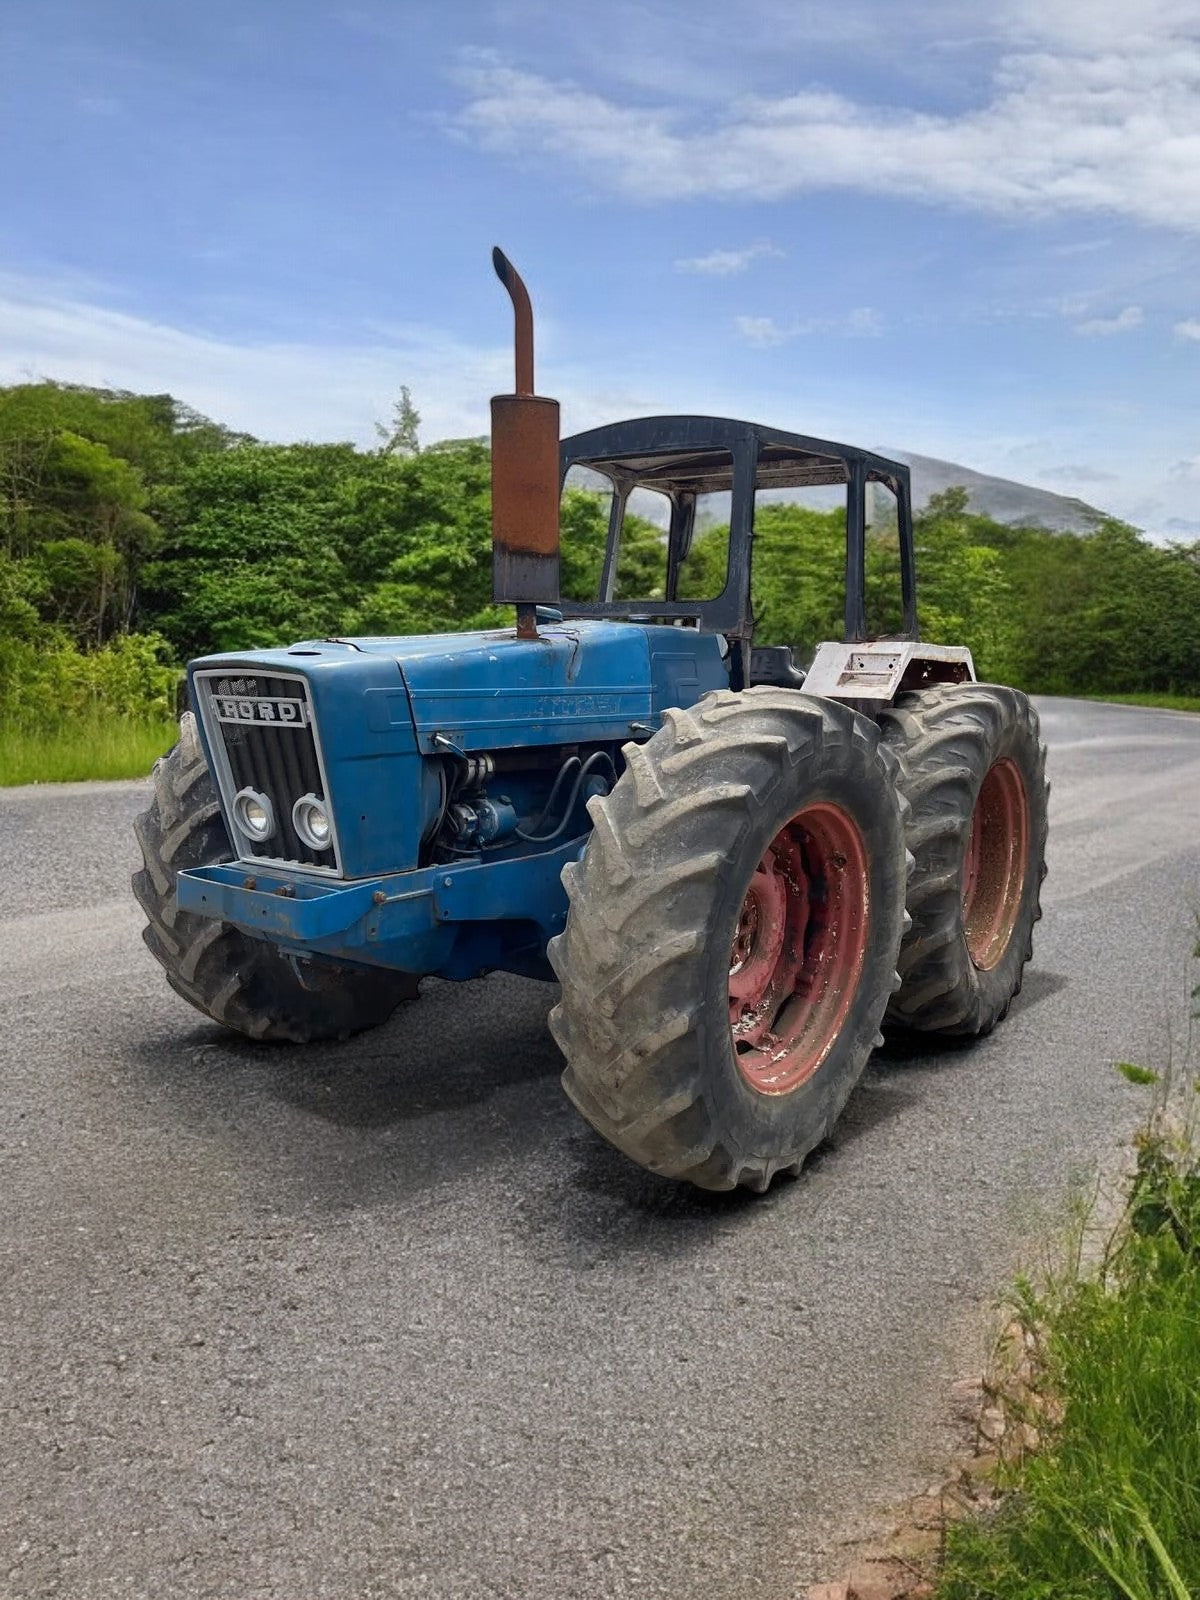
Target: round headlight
(253, 814)
(311, 821)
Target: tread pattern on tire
(945, 739)
(243, 983)
(640, 919)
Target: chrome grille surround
(263, 736)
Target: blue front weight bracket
(439, 920)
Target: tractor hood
(575, 682)
(374, 710)
(488, 690)
(492, 690)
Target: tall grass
(69, 714)
(1164, 702)
(1111, 1508)
(82, 748)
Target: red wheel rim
(994, 870)
(798, 949)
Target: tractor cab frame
(683, 457)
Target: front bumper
(454, 921)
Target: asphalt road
(385, 1319)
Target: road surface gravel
(385, 1318)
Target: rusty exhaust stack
(525, 531)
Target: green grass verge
(1111, 1508)
(101, 748)
(1164, 702)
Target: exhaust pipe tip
(523, 315)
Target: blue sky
(968, 231)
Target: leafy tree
(253, 555)
(963, 592)
(796, 574)
(19, 618)
(420, 543)
(402, 438)
(82, 472)
(47, 681)
(154, 433)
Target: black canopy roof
(683, 455)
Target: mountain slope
(999, 498)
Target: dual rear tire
(770, 877)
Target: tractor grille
(261, 731)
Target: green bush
(47, 682)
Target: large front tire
(732, 936)
(244, 983)
(973, 768)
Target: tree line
(136, 533)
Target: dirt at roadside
(1000, 1417)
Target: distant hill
(999, 498)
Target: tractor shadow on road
(456, 1045)
(611, 1204)
(605, 1208)
(465, 1076)
(614, 1205)
(1038, 985)
(903, 1048)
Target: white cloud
(765, 331)
(762, 331)
(1124, 322)
(1084, 25)
(726, 263)
(1091, 108)
(1189, 328)
(279, 391)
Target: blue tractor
(737, 870)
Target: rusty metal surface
(523, 313)
(525, 498)
(798, 949)
(525, 482)
(996, 863)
